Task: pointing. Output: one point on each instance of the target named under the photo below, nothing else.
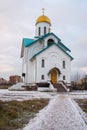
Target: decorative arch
(55, 68)
(54, 73)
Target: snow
(17, 86)
(44, 89)
(62, 112)
(7, 95)
(78, 94)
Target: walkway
(60, 114)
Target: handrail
(64, 85)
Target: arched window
(43, 63)
(50, 41)
(39, 31)
(63, 64)
(42, 77)
(44, 30)
(64, 78)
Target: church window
(64, 77)
(50, 41)
(43, 63)
(42, 76)
(63, 64)
(39, 31)
(44, 30)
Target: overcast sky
(17, 20)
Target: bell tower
(43, 24)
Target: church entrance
(54, 73)
(54, 76)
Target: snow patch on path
(60, 114)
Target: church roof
(49, 47)
(28, 42)
(43, 18)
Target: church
(45, 59)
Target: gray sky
(17, 20)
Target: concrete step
(59, 87)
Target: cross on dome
(43, 10)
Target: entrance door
(54, 76)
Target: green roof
(27, 41)
(63, 46)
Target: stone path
(60, 114)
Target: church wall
(33, 49)
(41, 71)
(25, 55)
(28, 67)
(24, 63)
(30, 73)
(53, 58)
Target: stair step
(59, 87)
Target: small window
(64, 77)
(39, 30)
(43, 63)
(42, 76)
(50, 41)
(44, 30)
(63, 64)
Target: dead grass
(83, 104)
(4, 86)
(15, 114)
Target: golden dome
(43, 18)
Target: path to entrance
(60, 114)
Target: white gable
(50, 37)
(53, 58)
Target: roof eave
(50, 46)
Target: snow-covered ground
(62, 112)
(7, 95)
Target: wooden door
(54, 76)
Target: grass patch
(83, 104)
(14, 114)
(4, 86)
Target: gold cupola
(43, 18)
